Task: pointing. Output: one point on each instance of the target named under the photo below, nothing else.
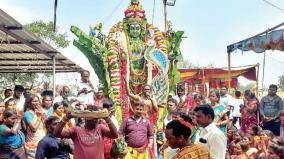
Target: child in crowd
(11, 104)
(254, 131)
(230, 134)
(198, 99)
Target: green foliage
(25, 79)
(173, 43)
(45, 31)
(95, 52)
(211, 64)
(281, 82)
(185, 63)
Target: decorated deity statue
(138, 54)
(134, 54)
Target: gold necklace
(138, 73)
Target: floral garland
(117, 52)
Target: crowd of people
(194, 127)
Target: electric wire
(273, 5)
(112, 13)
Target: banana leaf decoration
(96, 54)
(177, 41)
(174, 56)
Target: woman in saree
(58, 108)
(178, 133)
(249, 111)
(34, 119)
(221, 113)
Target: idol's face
(134, 30)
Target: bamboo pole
(53, 75)
(257, 95)
(229, 71)
(244, 66)
(257, 78)
(165, 14)
(263, 73)
(54, 20)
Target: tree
(211, 64)
(281, 82)
(43, 30)
(186, 64)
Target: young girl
(11, 104)
(244, 148)
(252, 151)
(255, 131)
(198, 99)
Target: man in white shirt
(210, 134)
(86, 89)
(225, 98)
(18, 96)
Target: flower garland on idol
(119, 51)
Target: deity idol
(133, 55)
(138, 55)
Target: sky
(209, 25)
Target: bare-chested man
(149, 103)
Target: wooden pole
(53, 75)
(54, 20)
(229, 71)
(263, 72)
(257, 95)
(244, 66)
(153, 12)
(165, 14)
(257, 78)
